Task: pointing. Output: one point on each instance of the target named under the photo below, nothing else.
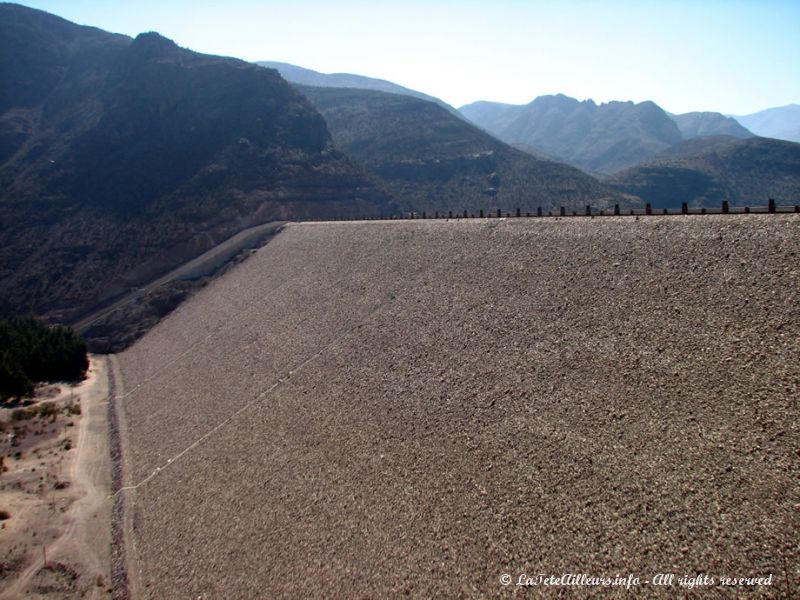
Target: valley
(349, 341)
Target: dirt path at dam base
(61, 537)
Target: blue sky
(732, 56)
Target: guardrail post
(465, 213)
(481, 213)
(499, 214)
(771, 205)
(725, 208)
(685, 208)
(588, 210)
(518, 213)
(648, 209)
(616, 210)
(562, 211)
(539, 211)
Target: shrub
(23, 414)
(72, 409)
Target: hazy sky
(732, 56)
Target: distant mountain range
(705, 171)
(604, 138)
(436, 161)
(702, 124)
(782, 123)
(601, 139)
(303, 76)
(120, 159)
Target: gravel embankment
(119, 567)
(469, 399)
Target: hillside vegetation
(706, 171)
(417, 407)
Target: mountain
(121, 159)
(493, 117)
(303, 76)
(782, 123)
(706, 171)
(436, 161)
(700, 124)
(603, 138)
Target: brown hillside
(388, 408)
(122, 159)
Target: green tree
(13, 382)
(32, 351)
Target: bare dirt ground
(55, 490)
(434, 409)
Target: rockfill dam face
(372, 409)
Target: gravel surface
(380, 409)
